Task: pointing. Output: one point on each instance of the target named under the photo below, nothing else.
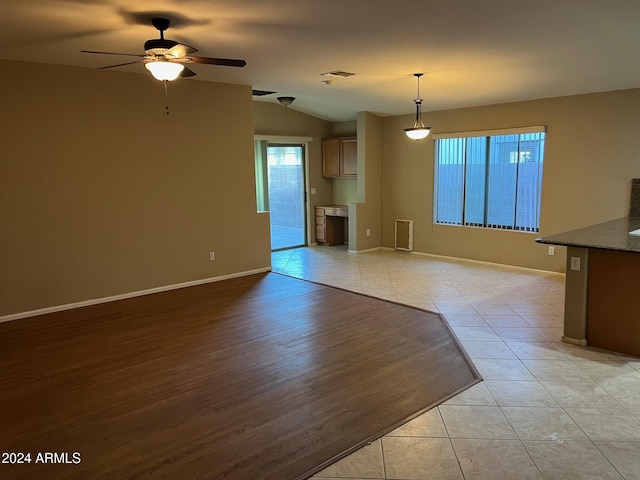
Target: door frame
(304, 142)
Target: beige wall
(345, 191)
(591, 155)
(102, 194)
(344, 129)
(368, 212)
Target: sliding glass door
(286, 193)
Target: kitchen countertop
(612, 235)
(335, 210)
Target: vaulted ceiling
(472, 52)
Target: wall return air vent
(404, 235)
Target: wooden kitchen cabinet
(321, 222)
(330, 224)
(348, 157)
(340, 157)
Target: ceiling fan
(167, 59)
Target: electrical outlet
(212, 256)
(368, 232)
(552, 250)
(575, 263)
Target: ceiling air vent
(337, 74)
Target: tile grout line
(384, 463)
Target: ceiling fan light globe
(163, 70)
(417, 133)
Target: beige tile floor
(545, 410)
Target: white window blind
(490, 179)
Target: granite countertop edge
(611, 235)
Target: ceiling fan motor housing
(159, 45)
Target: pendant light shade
(286, 101)
(418, 131)
(164, 70)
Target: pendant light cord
(418, 99)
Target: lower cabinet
(321, 230)
(330, 225)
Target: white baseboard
(374, 249)
(574, 341)
(97, 301)
(481, 262)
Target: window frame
(486, 161)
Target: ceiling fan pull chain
(166, 96)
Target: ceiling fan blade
(112, 53)
(228, 62)
(187, 72)
(119, 65)
(189, 48)
(179, 51)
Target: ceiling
(472, 52)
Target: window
(490, 179)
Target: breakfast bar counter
(602, 295)
(612, 235)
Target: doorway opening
(281, 182)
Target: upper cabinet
(340, 157)
(348, 157)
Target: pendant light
(286, 101)
(419, 131)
